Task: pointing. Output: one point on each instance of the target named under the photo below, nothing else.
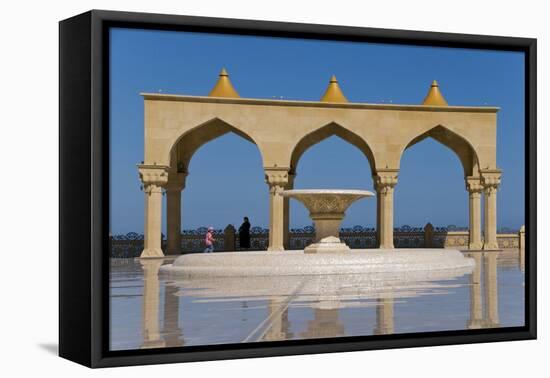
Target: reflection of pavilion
(177, 126)
(384, 317)
(151, 298)
(171, 333)
(484, 309)
(326, 321)
(327, 295)
(324, 324)
(280, 326)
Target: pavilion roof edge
(320, 104)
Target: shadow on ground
(51, 348)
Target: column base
(475, 246)
(386, 246)
(276, 248)
(491, 247)
(151, 253)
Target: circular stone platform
(290, 263)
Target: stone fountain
(327, 208)
(326, 256)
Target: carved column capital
(153, 177)
(277, 179)
(473, 184)
(385, 180)
(491, 180)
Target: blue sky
(226, 180)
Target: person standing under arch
(209, 240)
(244, 234)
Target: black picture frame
(84, 187)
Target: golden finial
(223, 87)
(333, 92)
(434, 96)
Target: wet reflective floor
(150, 311)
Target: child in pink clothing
(209, 240)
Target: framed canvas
(235, 188)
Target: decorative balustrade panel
(456, 239)
(130, 245)
(508, 241)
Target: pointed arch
(187, 144)
(462, 148)
(331, 129)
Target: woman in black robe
(244, 234)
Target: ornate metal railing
(127, 245)
(131, 244)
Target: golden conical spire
(434, 96)
(333, 92)
(223, 87)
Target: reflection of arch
(185, 147)
(324, 133)
(456, 143)
(484, 308)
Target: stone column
(377, 218)
(490, 181)
(153, 177)
(286, 212)
(277, 180)
(385, 182)
(474, 188)
(174, 186)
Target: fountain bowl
(327, 208)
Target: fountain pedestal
(327, 208)
(329, 244)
